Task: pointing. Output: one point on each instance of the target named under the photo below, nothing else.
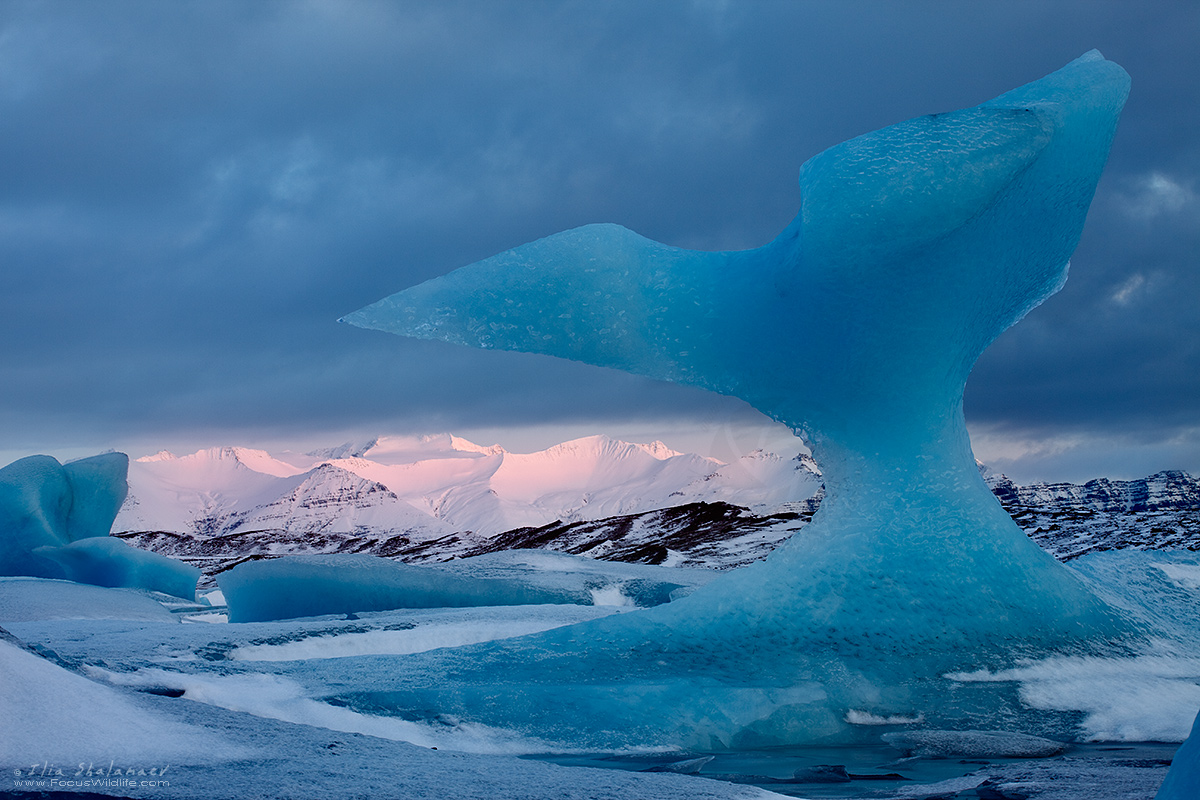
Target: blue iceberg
(915, 246)
(316, 585)
(55, 520)
(1183, 779)
(47, 504)
(105, 561)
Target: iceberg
(55, 521)
(47, 504)
(317, 585)
(105, 561)
(1183, 779)
(915, 246)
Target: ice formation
(45, 503)
(105, 561)
(55, 520)
(914, 248)
(1183, 780)
(313, 585)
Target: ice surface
(416, 639)
(284, 711)
(105, 561)
(914, 248)
(1150, 693)
(588, 580)
(26, 599)
(1183, 779)
(198, 751)
(973, 744)
(315, 585)
(66, 719)
(44, 503)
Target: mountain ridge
(437, 497)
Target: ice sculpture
(914, 248)
(55, 520)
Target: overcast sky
(191, 194)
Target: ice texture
(973, 744)
(1183, 779)
(47, 504)
(55, 520)
(144, 745)
(105, 561)
(915, 246)
(67, 719)
(29, 599)
(316, 585)
(585, 579)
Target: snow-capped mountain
(1161, 512)
(439, 497)
(427, 488)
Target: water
(877, 770)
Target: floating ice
(105, 561)
(914, 248)
(588, 580)
(44, 503)
(1183, 779)
(314, 585)
(55, 520)
(27, 599)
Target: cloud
(1157, 194)
(192, 194)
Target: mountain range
(433, 498)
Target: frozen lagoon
(129, 677)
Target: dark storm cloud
(192, 193)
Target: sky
(192, 193)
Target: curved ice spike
(915, 246)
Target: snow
(66, 719)
(1123, 698)
(431, 486)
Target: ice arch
(914, 248)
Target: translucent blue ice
(1183, 780)
(914, 248)
(47, 504)
(55, 520)
(315, 585)
(106, 561)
